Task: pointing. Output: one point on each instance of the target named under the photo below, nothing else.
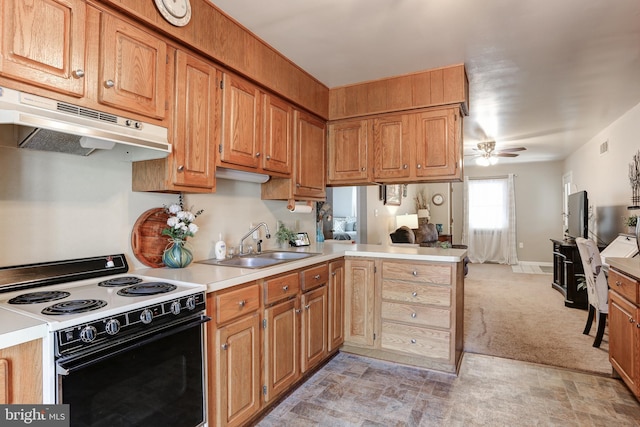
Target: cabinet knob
(306, 307)
(405, 166)
(413, 315)
(225, 346)
(333, 273)
(268, 157)
(285, 288)
(109, 83)
(419, 166)
(298, 184)
(415, 294)
(180, 168)
(242, 303)
(618, 283)
(77, 74)
(298, 311)
(363, 169)
(631, 320)
(317, 277)
(413, 341)
(258, 154)
(415, 273)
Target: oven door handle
(66, 367)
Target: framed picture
(393, 195)
(302, 239)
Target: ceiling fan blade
(510, 150)
(500, 154)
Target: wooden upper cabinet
(437, 87)
(310, 148)
(241, 122)
(438, 145)
(133, 68)
(43, 43)
(277, 135)
(348, 152)
(392, 147)
(196, 125)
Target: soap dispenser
(220, 248)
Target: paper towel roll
(300, 208)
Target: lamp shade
(409, 220)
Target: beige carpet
(519, 316)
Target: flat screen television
(578, 215)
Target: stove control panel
(125, 324)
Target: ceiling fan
(488, 155)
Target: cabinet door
(310, 169)
(196, 126)
(278, 128)
(21, 373)
(241, 122)
(392, 147)
(438, 149)
(43, 43)
(624, 339)
(134, 68)
(359, 302)
(336, 304)
(281, 355)
(238, 371)
(314, 328)
(348, 152)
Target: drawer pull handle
(285, 288)
(415, 273)
(225, 346)
(414, 315)
(415, 294)
(413, 340)
(317, 277)
(242, 303)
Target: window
(487, 204)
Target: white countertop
(16, 329)
(631, 266)
(217, 278)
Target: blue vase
(319, 232)
(176, 255)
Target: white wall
(605, 176)
(59, 206)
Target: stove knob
(175, 307)
(191, 303)
(88, 334)
(146, 316)
(112, 327)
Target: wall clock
(176, 12)
(437, 199)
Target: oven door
(154, 380)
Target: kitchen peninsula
(390, 302)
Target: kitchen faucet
(262, 224)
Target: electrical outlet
(521, 245)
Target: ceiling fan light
(493, 160)
(482, 161)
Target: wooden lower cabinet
(281, 347)
(314, 327)
(359, 301)
(21, 373)
(624, 328)
(335, 292)
(405, 311)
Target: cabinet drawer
(234, 304)
(280, 288)
(314, 277)
(416, 314)
(624, 285)
(415, 340)
(416, 294)
(422, 273)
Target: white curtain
(489, 228)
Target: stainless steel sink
(261, 260)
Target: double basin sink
(260, 260)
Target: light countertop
(630, 266)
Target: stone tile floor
(352, 390)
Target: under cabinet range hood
(50, 125)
